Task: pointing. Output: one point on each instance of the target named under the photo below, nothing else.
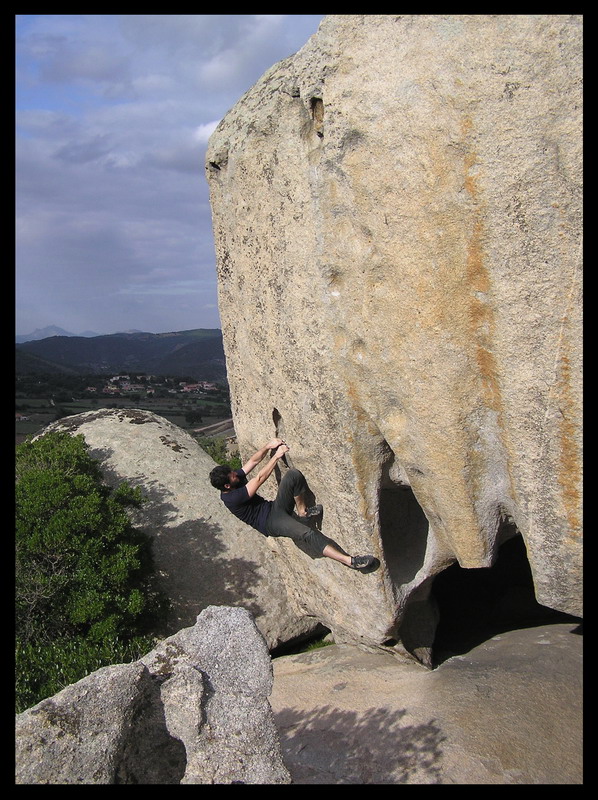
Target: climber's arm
(254, 484)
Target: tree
(193, 417)
(85, 591)
(217, 449)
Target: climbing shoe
(313, 511)
(364, 563)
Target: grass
(316, 645)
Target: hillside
(32, 364)
(198, 353)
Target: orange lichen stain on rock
(481, 320)
(481, 316)
(471, 184)
(477, 273)
(466, 126)
(362, 469)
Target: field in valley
(190, 413)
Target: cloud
(80, 152)
(203, 132)
(88, 62)
(113, 117)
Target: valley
(202, 408)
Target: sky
(113, 114)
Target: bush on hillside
(85, 592)
(216, 448)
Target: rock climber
(275, 517)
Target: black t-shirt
(253, 511)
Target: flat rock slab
(507, 712)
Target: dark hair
(220, 476)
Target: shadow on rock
(196, 573)
(195, 566)
(329, 745)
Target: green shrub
(42, 670)
(316, 645)
(85, 590)
(216, 448)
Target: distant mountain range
(197, 353)
(50, 330)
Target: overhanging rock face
(397, 217)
